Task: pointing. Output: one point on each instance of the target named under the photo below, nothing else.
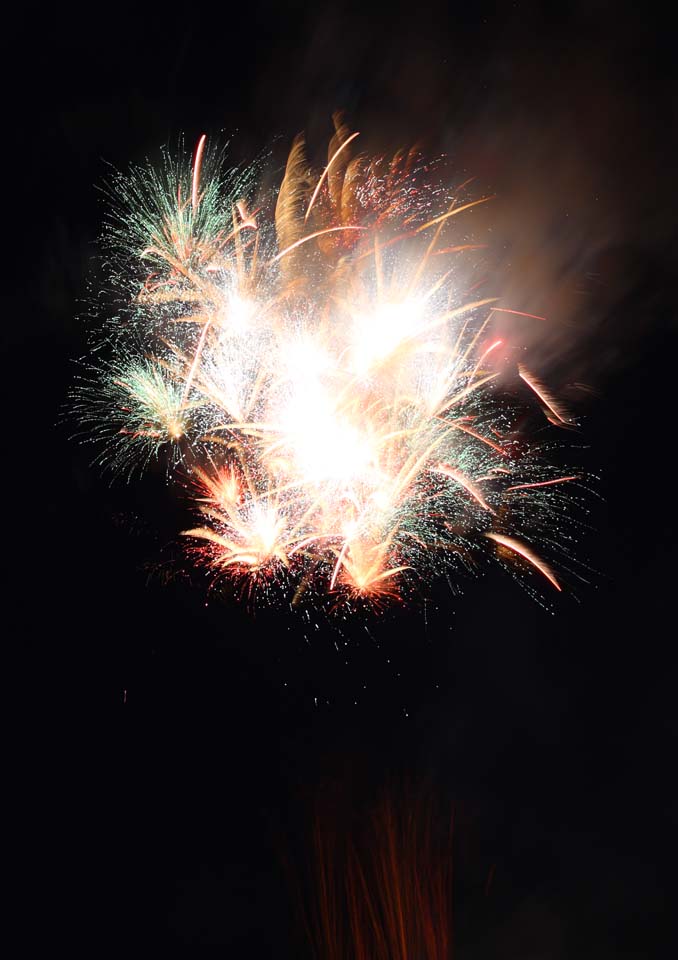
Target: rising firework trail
(380, 885)
(315, 373)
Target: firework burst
(314, 364)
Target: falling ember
(328, 394)
(526, 553)
(544, 395)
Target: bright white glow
(304, 359)
(325, 445)
(236, 315)
(377, 335)
(266, 528)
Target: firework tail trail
(380, 887)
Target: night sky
(168, 750)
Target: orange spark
(327, 170)
(196, 170)
(542, 392)
(543, 483)
(524, 551)
(312, 236)
(468, 485)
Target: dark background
(168, 751)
